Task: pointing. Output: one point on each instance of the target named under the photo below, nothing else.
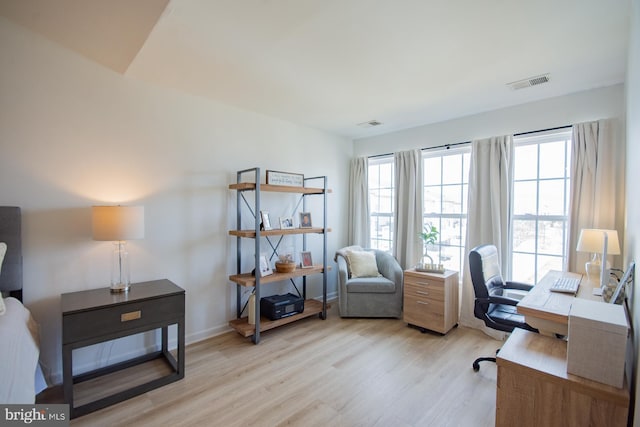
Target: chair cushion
(506, 314)
(363, 264)
(371, 285)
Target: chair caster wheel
(476, 367)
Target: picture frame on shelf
(266, 220)
(285, 178)
(305, 220)
(306, 261)
(286, 222)
(265, 266)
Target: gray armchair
(370, 296)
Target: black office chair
(492, 306)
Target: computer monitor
(628, 274)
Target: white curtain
(489, 209)
(358, 219)
(407, 246)
(594, 182)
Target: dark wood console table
(95, 316)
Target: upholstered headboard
(11, 234)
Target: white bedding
(19, 353)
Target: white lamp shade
(592, 240)
(113, 223)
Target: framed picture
(305, 220)
(305, 259)
(286, 222)
(285, 178)
(265, 266)
(266, 222)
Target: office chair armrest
(518, 285)
(498, 299)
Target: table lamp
(118, 224)
(598, 241)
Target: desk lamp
(598, 241)
(118, 224)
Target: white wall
(74, 134)
(632, 242)
(579, 107)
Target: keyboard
(567, 285)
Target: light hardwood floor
(336, 372)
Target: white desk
(549, 311)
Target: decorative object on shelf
(286, 222)
(118, 224)
(251, 307)
(598, 241)
(265, 266)
(305, 259)
(305, 220)
(285, 263)
(429, 236)
(265, 221)
(285, 178)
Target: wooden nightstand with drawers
(431, 300)
(96, 316)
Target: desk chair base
(476, 363)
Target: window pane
(551, 237)
(386, 201)
(524, 268)
(386, 175)
(524, 236)
(374, 177)
(432, 199)
(524, 198)
(465, 197)
(526, 162)
(552, 200)
(546, 263)
(432, 171)
(451, 169)
(451, 199)
(466, 159)
(552, 160)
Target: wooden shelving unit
(244, 279)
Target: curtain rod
(448, 146)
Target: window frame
(538, 139)
(374, 241)
(463, 183)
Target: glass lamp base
(119, 288)
(593, 271)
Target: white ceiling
(331, 64)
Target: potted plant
(429, 236)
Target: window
(540, 204)
(446, 176)
(381, 196)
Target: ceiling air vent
(369, 124)
(531, 81)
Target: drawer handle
(422, 292)
(422, 302)
(133, 315)
(424, 283)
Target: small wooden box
(597, 341)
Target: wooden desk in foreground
(549, 311)
(534, 388)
